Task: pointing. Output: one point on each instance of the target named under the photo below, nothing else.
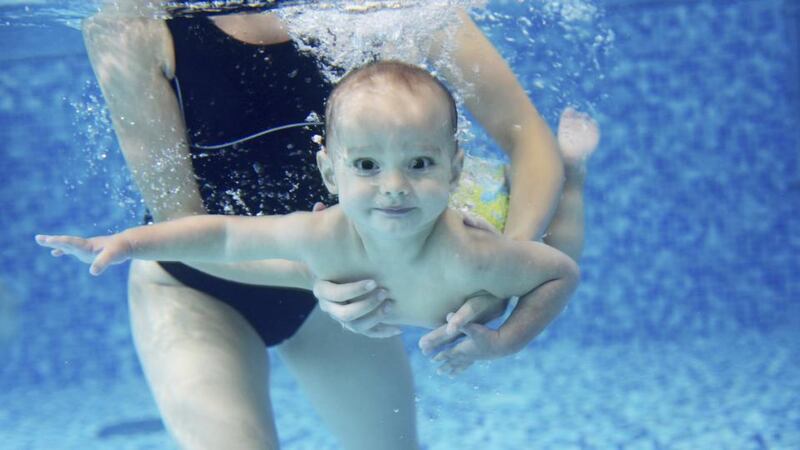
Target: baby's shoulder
(327, 224)
(331, 243)
(329, 230)
(474, 247)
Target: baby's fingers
(458, 368)
(69, 245)
(449, 356)
(454, 367)
(103, 260)
(382, 331)
(47, 241)
(111, 254)
(59, 241)
(436, 339)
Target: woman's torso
(230, 89)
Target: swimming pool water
(685, 332)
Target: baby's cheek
(438, 190)
(355, 194)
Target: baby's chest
(423, 301)
(422, 293)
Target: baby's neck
(396, 250)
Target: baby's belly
(423, 312)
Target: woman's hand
(100, 252)
(360, 306)
(476, 221)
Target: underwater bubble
(313, 117)
(355, 33)
(97, 156)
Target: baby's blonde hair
(392, 72)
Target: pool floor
(736, 391)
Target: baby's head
(392, 155)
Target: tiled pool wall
(691, 205)
(691, 199)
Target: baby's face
(396, 158)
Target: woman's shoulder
(139, 40)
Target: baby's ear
(325, 165)
(457, 164)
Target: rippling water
(683, 333)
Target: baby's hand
(481, 343)
(478, 309)
(100, 252)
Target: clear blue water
(685, 333)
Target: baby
(393, 160)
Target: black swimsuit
(230, 89)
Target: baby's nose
(394, 184)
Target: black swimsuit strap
(230, 93)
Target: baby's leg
(361, 387)
(206, 367)
(578, 136)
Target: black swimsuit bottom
(230, 89)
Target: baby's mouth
(394, 211)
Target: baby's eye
(421, 163)
(365, 165)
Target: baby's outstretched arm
(210, 238)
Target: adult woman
(198, 335)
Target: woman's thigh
(361, 387)
(206, 367)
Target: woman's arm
(133, 60)
(496, 99)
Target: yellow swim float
(483, 190)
